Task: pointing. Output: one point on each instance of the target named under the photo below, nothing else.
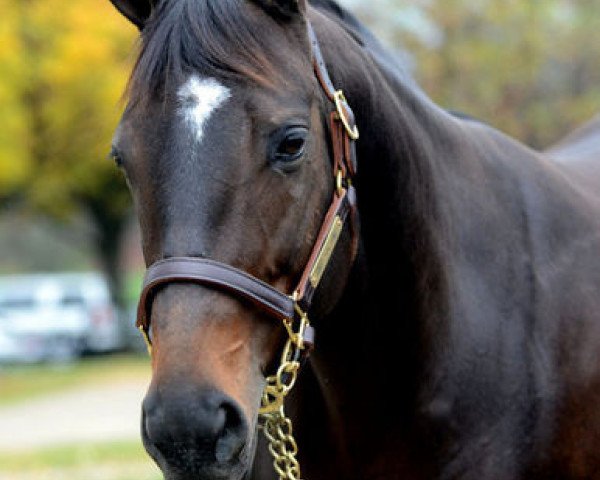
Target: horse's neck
(377, 338)
(405, 142)
(458, 223)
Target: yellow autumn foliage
(529, 68)
(15, 158)
(63, 68)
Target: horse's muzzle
(197, 433)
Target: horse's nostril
(229, 443)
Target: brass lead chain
(276, 426)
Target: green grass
(18, 383)
(105, 461)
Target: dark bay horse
(458, 327)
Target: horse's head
(225, 146)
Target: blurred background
(72, 367)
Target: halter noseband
(292, 309)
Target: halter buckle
(340, 102)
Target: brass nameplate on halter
(326, 251)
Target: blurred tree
(64, 66)
(531, 69)
(15, 157)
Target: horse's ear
(137, 11)
(283, 8)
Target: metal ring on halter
(340, 101)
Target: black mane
(185, 36)
(215, 37)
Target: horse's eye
(115, 156)
(289, 145)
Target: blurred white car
(56, 317)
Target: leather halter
(236, 282)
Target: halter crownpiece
(292, 310)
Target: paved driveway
(92, 414)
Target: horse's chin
(234, 470)
(213, 473)
(238, 469)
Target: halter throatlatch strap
(242, 285)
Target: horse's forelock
(220, 38)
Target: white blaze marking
(199, 98)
